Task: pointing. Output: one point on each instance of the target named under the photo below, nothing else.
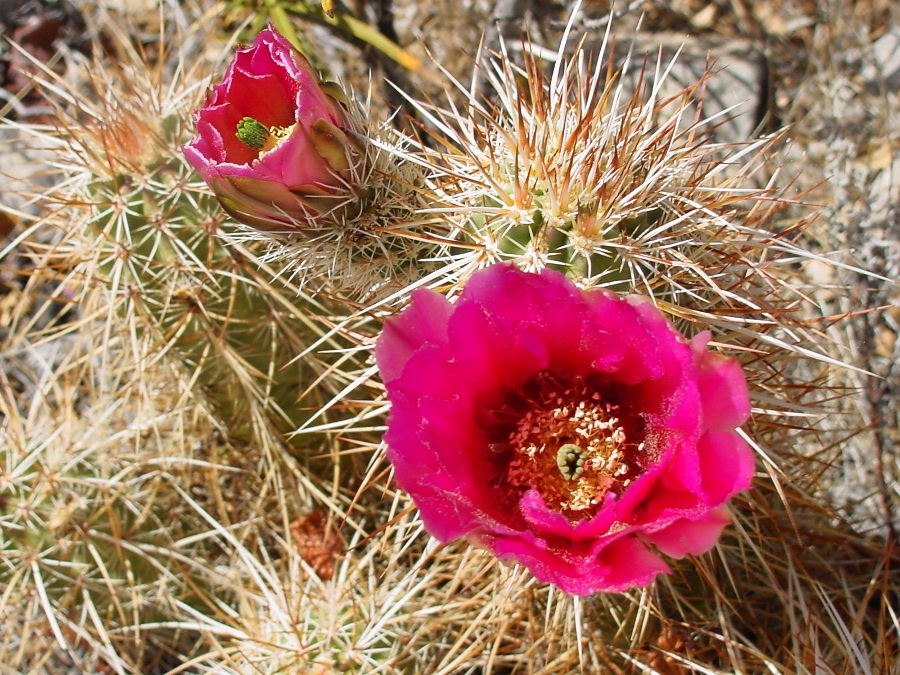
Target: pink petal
(548, 522)
(727, 464)
(690, 536)
(424, 322)
(726, 402)
(621, 565)
(630, 564)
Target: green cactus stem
(237, 327)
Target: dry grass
(158, 515)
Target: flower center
(572, 439)
(258, 136)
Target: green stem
(358, 29)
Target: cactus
(212, 349)
(179, 393)
(627, 194)
(157, 244)
(89, 532)
(168, 510)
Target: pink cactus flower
(271, 139)
(575, 432)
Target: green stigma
(251, 133)
(570, 460)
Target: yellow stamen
(573, 443)
(276, 136)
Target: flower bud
(272, 140)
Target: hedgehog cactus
(160, 246)
(164, 283)
(264, 328)
(621, 189)
(235, 329)
(336, 205)
(87, 530)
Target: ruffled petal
(423, 323)
(726, 402)
(727, 465)
(692, 536)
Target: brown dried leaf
(318, 542)
(7, 224)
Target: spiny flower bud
(272, 140)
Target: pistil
(573, 442)
(256, 135)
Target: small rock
(738, 84)
(886, 53)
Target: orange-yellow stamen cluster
(574, 445)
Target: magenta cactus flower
(272, 139)
(575, 432)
